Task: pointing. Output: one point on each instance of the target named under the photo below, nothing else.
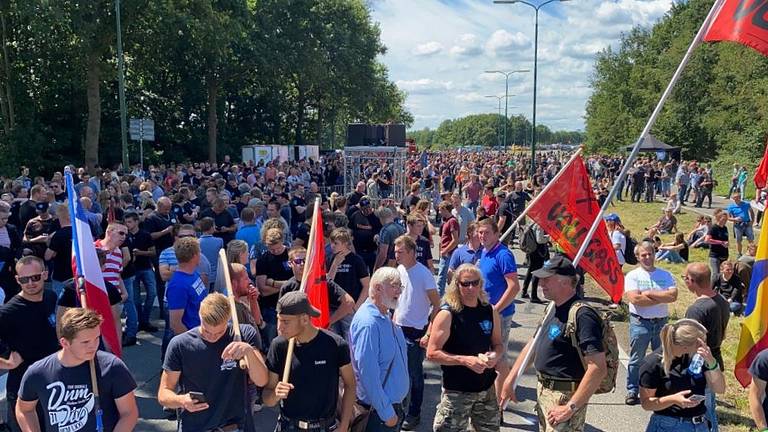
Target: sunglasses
(466, 284)
(27, 279)
(181, 236)
(298, 261)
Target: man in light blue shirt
(379, 353)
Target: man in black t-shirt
(717, 239)
(142, 251)
(60, 250)
(565, 384)
(205, 360)
(27, 328)
(298, 208)
(340, 303)
(309, 399)
(758, 400)
(61, 383)
(159, 224)
(272, 271)
(223, 221)
(713, 312)
(365, 226)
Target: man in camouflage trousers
(465, 340)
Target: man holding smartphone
(203, 363)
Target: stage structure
(357, 158)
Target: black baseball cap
(296, 303)
(559, 265)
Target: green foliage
(487, 130)
(213, 74)
(717, 111)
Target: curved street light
(506, 93)
(498, 138)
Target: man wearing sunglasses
(341, 303)
(32, 310)
(111, 269)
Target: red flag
(566, 213)
(315, 284)
(741, 21)
(761, 175)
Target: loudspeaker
(374, 136)
(395, 135)
(356, 134)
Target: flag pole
(243, 363)
(635, 150)
(538, 197)
(80, 286)
(647, 129)
(292, 341)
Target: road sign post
(142, 130)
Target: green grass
(733, 407)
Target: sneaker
(632, 399)
(149, 328)
(129, 341)
(411, 423)
(525, 295)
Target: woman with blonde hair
(671, 384)
(465, 340)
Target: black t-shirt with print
(715, 250)
(65, 393)
(203, 370)
(273, 267)
(555, 355)
(652, 376)
(349, 273)
(314, 374)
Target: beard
(391, 303)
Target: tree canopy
(718, 109)
(212, 74)
(487, 130)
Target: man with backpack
(534, 242)
(575, 356)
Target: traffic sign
(142, 129)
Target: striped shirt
(113, 264)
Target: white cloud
(467, 45)
(472, 97)
(428, 49)
(503, 42)
(424, 85)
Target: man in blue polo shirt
(742, 216)
(497, 264)
(467, 253)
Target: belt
(649, 319)
(227, 428)
(396, 406)
(309, 424)
(695, 420)
(556, 384)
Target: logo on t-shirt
(228, 365)
(486, 326)
(69, 406)
(554, 331)
(52, 320)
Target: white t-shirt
(618, 237)
(413, 306)
(641, 280)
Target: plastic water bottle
(696, 363)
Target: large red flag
(742, 21)
(761, 175)
(315, 284)
(566, 213)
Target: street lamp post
(506, 95)
(121, 90)
(535, 68)
(498, 130)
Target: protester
(390, 231)
(309, 398)
(615, 233)
(143, 252)
(743, 217)
(713, 312)
(568, 374)
(669, 389)
(758, 402)
(675, 252)
(730, 286)
(449, 241)
(201, 374)
(499, 270)
(467, 253)
(56, 383)
(536, 258)
(466, 342)
(717, 239)
(272, 271)
(648, 290)
(376, 341)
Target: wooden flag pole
(80, 286)
(243, 363)
(292, 341)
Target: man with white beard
(375, 340)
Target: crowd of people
(393, 303)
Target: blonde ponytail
(684, 332)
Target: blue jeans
(129, 307)
(711, 403)
(269, 331)
(148, 278)
(375, 424)
(681, 193)
(669, 255)
(642, 332)
(442, 274)
(416, 373)
(167, 333)
(660, 423)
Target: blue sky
(437, 51)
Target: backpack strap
(570, 327)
